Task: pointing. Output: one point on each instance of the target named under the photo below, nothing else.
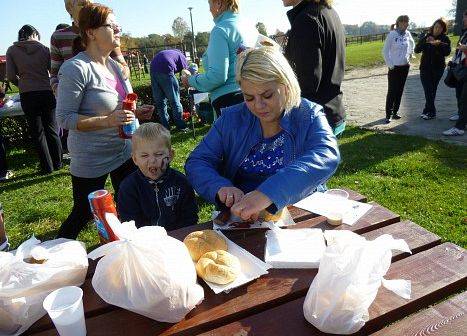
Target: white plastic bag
(349, 275)
(146, 272)
(23, 285)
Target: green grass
(422, 180)
(364, 55)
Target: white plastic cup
(335, 218)
(337, 193)
(65, 308)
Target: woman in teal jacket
(219, 60)
(268, 152)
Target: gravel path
(365, 97)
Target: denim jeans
(430, 79)
(165, 87)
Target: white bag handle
(399, 287)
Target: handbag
(450, 80)
(460, 72)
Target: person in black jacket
(156, 194)
(434, 46)
(316, 51)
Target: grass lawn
(422, 180)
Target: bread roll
(200, 242)
(219, 267)
(266, 216)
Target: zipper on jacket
(156, 189)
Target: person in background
(460, 58)
(165, 86)
(5, 174)
(268, 152)
(156, 194)
(28, 65)
(219, 60)
(90, 94)
(145, 64)
(316, 51)
(61, 43)
(434, 46)
(397, 51)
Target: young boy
(156, 194)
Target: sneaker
(422, 115)
(387, 120)
(428, 117)
(9, 174)
(396, 116)
(5, 246)
(453, 132)
(454, 117)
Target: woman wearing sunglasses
(92, 88)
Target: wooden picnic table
(273, 304)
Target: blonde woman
(397, 51)
(225, 42)
(270, 151)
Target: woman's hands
(462, 47)
(250, 205)
(144, 112)
(119, 117)
(229, 195)
(185, 75)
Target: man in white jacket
(397, 51)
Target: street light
(193, 44)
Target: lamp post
(193, 44)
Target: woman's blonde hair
(231, 5)
(267, 64)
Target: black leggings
(38, 106)
(396, 83)
(81, 213)
(227, 100)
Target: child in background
(156, 194)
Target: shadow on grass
(28, 180)
(370, 148)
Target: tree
(412, 26)
(202, 39)
(261, 28)
(180, 28)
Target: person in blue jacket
(225, 42)
(268, 152)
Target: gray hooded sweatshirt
(28, 65)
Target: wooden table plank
(435, 274)
(446, 318)
(288, 284)
(418, 238)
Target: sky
(143, 17)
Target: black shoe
(387, 120)
(396, 116)
(428, 117)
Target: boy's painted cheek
(164, 163)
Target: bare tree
(180, 28)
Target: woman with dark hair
(28, 65)
(92, 88)
(434, 46)
(397, 51)
(316, 51)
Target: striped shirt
(61, 49)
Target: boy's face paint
(152, 158)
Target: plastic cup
(337, 193)
(65, 308)
(334, 218)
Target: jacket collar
(160, 180)
(225, 16)
(294, 12)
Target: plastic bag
(349, 275)
(30, 274)
(146, 272)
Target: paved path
(365, 97)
